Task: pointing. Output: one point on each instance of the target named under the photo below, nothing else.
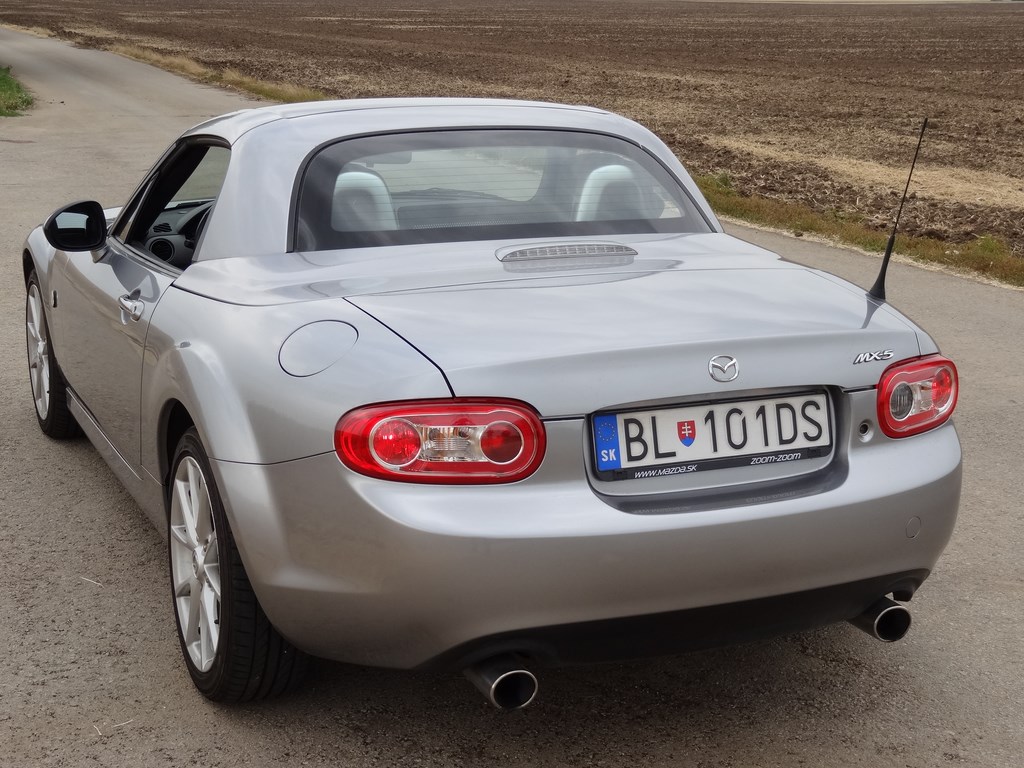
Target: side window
(169, 218)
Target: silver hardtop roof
(271, 145)
(233, 125)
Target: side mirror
(80, 226)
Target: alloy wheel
(37, 342)
(195, 563)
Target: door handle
(131, 306)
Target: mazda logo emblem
(723, 368)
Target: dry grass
(283, 92)
(30, 30)
(272, 91)
(986, 255)
(179, 64)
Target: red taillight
(463, 440)
(501, 442)
(395, 442)
(917, 395)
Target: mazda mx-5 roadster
(482, 385)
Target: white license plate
(672, 441)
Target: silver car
(482, 385)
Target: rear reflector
(457, 441)
(917, 395)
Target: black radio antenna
(878, 289)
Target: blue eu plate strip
(606, 443)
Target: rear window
(447, 186)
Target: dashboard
(176, 231)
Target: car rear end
(403, 574)
(589, 495)
(658, 437)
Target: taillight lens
(916, 395)
(463, 440)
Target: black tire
(251, 660)
(55, 420)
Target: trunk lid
(570, 345)
(578, 334)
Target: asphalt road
(91, 673)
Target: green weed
(13, 97)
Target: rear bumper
(391, 574)
(687, 630)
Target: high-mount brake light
(917, 395)
(457, 441)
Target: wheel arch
(184, 385)
(175, 421)
(28, 264)
(37, 254)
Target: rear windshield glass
(447, 186)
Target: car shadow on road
(772, 694)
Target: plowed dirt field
(816, 103)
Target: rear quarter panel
(221, 361)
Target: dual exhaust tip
(884, 620)
(507, 684)
(504, 681)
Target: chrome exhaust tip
(885, 620)
(504, 681)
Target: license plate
(695, 438)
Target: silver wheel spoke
(213, 572)
(183, 588)
(188, 515)
(204, 515)
(208, 622)
(44, 383)
(37, 387)
(192, 620)
(33, 311)
(180, 535)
